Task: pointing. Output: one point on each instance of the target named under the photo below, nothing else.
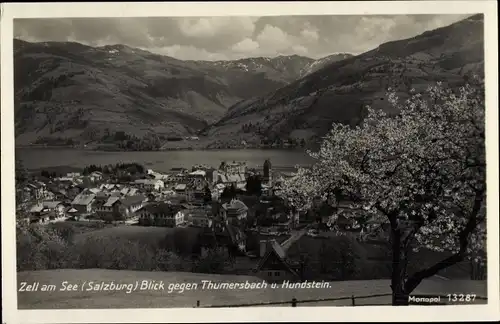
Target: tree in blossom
(421, 171)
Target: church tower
(267, 172)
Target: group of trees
(229, 192)
(335, 258)
(276, 141)
(48, 174)
(149, 142)
(55, 141)
(131, 168)
(254, 185)
(422, 172)
(109, 169)
(207, 195)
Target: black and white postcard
(194, 162)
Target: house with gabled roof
(150, 184)
(95, 176)
(61, 194)
(230, 236)
(133, 203)
(83, 202)
(36, 190)
(125, 191)
(48, 211)
(273, 265)
(234, 211)
(106, 209)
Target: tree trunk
(472, 223)
(399, 260)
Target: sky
(228, 38)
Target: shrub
(39, 247)
(213, 261)
(332, 258)
(53, 247)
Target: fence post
(353, 301)
(294, 302)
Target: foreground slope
(340, 91)
(164, 299)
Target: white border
(302, 314)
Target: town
(232, 206)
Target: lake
(36, 158)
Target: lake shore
(163, 149)
(37, 158)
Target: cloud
(235, 37)
(309, 34)
(300, 50)
(216, 26)
(274, 39)
(245, 46)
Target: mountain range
(340, 91)
(66, 90)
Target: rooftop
(198, 173)
(235, 204)
(84, 199)
(162, 208)
(111, 201)
(133, 200)
(181, 186)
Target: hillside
(72, 91)
(340, 91)
(163, 299)
(322, 62)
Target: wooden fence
(294, 302)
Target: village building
(227, 179)
(197, 174)
(267, 173)
(174, 179)
(200, 217)
(95, 176)
(73, 191)
(121, 208)
(157, 176)
(161, 214)
(48, 211)
(105, 210)
(83, 203)
(91, 190)
(73, 175)
(41, 218)
(234, 211)
(65, 181)
(184, 191)
(133, 203)
(273, 265)
(61, 194)
(233, 167)
(196, 189)
(150, 184)
(36, 190)
(124, 191)
(110, 187)
(229, 235)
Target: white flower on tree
(422, 171)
